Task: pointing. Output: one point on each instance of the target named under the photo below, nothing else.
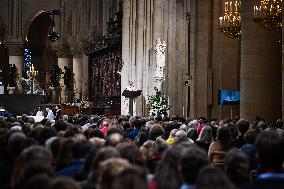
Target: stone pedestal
(56, 95)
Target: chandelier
(269, 15)
(53, 35)
(230, 23)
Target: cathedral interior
(90, 50)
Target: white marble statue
(160, 59)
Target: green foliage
(158, 104)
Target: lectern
(131, 95)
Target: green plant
(158, 104)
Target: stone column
(125, 55)
(139, 55)
(85, 81)
(78, 75)
(199, 56)
(260, 69)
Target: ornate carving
(113, 36)
(15, 49)
(180, 2)
(160, 59)
(187, 15)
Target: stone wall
(144, 21)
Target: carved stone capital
(62, 50)
(15, 49)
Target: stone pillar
(139, 56)
(199, 56)
(125, 55)
(260, 69)
(85, 82)
(78, 75)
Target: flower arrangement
(158, 104)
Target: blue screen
(229, 97)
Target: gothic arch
(29, 22)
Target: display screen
(2, 89)
(229, 97)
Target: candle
(226, 6)
(231, 8)
(236, 6)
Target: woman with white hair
(205, 138)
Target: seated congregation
(123, 152)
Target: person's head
(41, 181)
(60, 125)
(45, 134)
(156, 131)
(167, 172)
(223, 137)
(131, 177)
(114, 129)
(105, 123)
(269, 150)
(17, 142)
(146, 149)
(250, 136)
(64, 156)
(81, 148)
(110, 169)
(102, 155)
(96, 133)
(64, 183)
(211, 177)
(137, 124)
(114, 139)
(168, 127)
(131, 152)
(206, 135)
(237, 166)
(242, 126)
(27, 156)
(192, 161)
(31, 170)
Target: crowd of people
(124, 152)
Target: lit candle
(226, 6)
(231, 7)
(254, 11)
(220, 21)
(236, 6)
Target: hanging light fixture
(230, 23)
(53, 35)
(269, 14)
